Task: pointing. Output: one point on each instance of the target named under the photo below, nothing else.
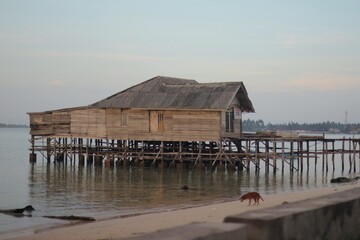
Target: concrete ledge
(336, 216)
(199, 231)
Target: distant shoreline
(4, 125)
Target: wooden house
(159, 109)
(169, 122)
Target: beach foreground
(136, 225)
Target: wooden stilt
(283, 156)
(333, 155)
(350, 160)
(247, 154)
(274, 156)
(307, 155)
(354, 155)
(301, 157)
(342, 154)
(224, 153)
(291, 156)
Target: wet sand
(118, 228)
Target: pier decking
(252, 151)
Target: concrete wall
(330, 217)
(199, 231)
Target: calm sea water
(102, 192)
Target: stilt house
(159, 109)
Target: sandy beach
(118, 228)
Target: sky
(299, 60)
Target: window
(229, 121)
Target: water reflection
(68, 188)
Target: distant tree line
(259, 125)
(4, 125)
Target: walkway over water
(269, 151)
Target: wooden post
(180, 151)
(316, 155)
(308, 155)
(327, 156)
(48, 150)
(32, 156)
(350, 161)
(342, 154)
(256, 155)
(274, 156)
(267, 160)
(323, 156)
(291, 156)
(247, 155)
(315, 150)
(81, 159)
(98, 160)
(300, 152)
(89, 158)
(282, 156)
(354, 154)
(333, 155)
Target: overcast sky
(299, 60)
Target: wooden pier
(172, 122)
(274, 153)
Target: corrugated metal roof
(176, 93)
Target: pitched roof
(176, 93)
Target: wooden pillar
(48, 150)
(301, 157)
(342, 154)
(316, 154)
(32, 156)
(256, 155)
(98, 160)
(354, 154)
(274, 156)
(89, 158)
(350, 161)
(333, 155)
(81, 159)
(308, 155)
(64, 150)
(59, 155)
(282, 156)
(323, 156)
(247, 154)
(180, 151)
(327, 156)
(291, 156)
(267, 160)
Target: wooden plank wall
(113, 123)
(196, 125)
(41, 124)
(88, 123)
(61, 123)
(79, 123)
(174, 125)
(237, 128)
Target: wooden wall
(121, 124)
(41, 124)
(237, 133)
